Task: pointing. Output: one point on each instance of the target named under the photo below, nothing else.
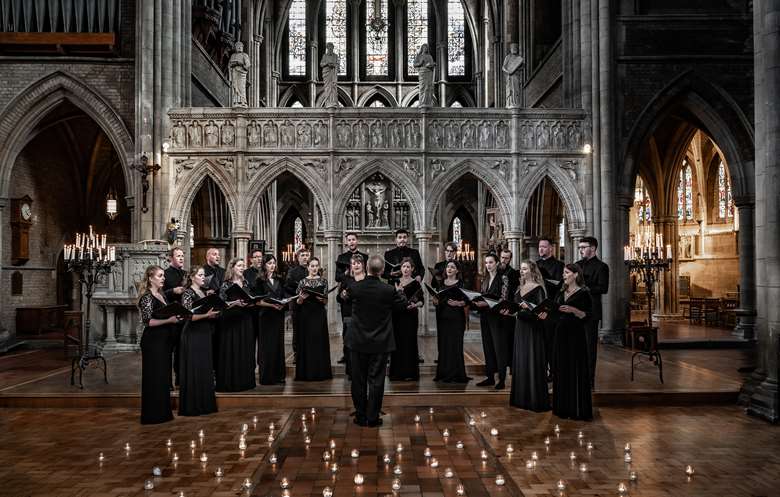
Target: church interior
(494, 125)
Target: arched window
(298, 234)
(376, 39)
(336, 31)
(457, 237)
(296, 103)
(296, 39)
(416, 31)
(377, 103)
(725, 202)
(685, 193)
(456, 39)
(642, 202)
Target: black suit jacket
(173, 277)
(217, 274)
(396, 255)
(373, 302)
(294, 276)
(551, 269)
(346, 260)
(512, 281)
(596, 275)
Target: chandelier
(376, 21)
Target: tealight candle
(500, 480)
(271, 426)
(334, 468)
(627, 457)
(242, 444)
(355, 453)
(459, 444)
(327, 492)
(175, 457)
(460, 489)
(156, 471)
(396, 485)
(332, 444)
(472, 422)
(271, 437)
(313, 411)
(427, 452)
(590, 446)
(434, 462)
(483, 454)
(244, 428)
(247, 483)
(399, 448)
(529, 464)
(193, 444)
(307, 439)
(272, 459)
(284, 483)
(219, 473)
(557, 429)
(622, 488)
(534, 456)
(416, 418)
(448, 473)
(168, 442)
(509, 448)
(303, 417)
(482, 414)
(445, 433)
(580, 435)
(326, 456)
(386, 459)
(101, 457)
(204, 457)
(583, 468)
(430, 410)
(201, 434)
(494, 432)
(254, 419)
(632, 475)
(148, 485)
(627, 448)
(358, 479)
(572, 456)
(127, 447)
(546, 440)
(397, 470)
(689, 470)
(561, 485)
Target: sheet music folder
(172, 309)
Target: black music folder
(236, 292)
(412, 288)
(212, 301)
(172, 309)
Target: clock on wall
(21, 221)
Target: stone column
(423, 242)
(746, 313)
(332, 238)
(514, 241)
(4, 333)
(241, 243)
(765, 400)
(575, 235)
(667, 301)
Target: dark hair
(187, 283)
(350, 233)
(546, 239)
(506, 251)
(455, 263)
(579, 280)
(451, 245)
(402, 231)
(174, 249)
(493, 255)
(263, 272)
(409, 260)
(590, 240)
(253, 252)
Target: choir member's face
(451, 270)
(357, 267)
(270, 266)
(524, 269)
(157, 279)
(199, 278)
(351, 243)
(490, 264)
(569, 277)
(212, 257)
(545, 250)
(449, 253)
(506, 258)
(238, 269)
(314, 267)
(586, 251)
(257, 258)
(406, 269)
(303, 258)
(401, 239)
(177, 259)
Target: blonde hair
(534, 275)
(231, 268)
(144, 286)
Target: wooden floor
(54, 452)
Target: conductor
(370, 340)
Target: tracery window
(642, 202)
(416, 31)
(376, 40)
(296, 39)
(456, 103)
(336, 31)
(297, 234)
(685, 193)
(456, 39)
(457, 237)
(725, 202)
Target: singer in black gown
(404, 364)
(529, 364)
(155, 363)
(313, 358)
(270, 354)
(451, 328)
(196, 393)
(236, 351)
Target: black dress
(313, 357)
(529, 364)
(404, 364)
(155, 364)
(196, 394)
(270, 353)
(236, 350)
(571, 375)
(450, 328)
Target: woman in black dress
(236, 350)
(313, 360)
(270, 353)
(571, 375)
(404, 364)
(155, 350)
(451, 327)
(196, 393)
(357, 272)
(529, 364)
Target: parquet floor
(52, 452)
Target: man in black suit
(551, 269)
(396, 255)
(450, 250)
(370, 340)
(251, 274)
(512, 278)
(596, 275)
(214, 273)
(173, 287)
(294, 276)
(343, 264)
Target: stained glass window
(298, 234)
(416, 30)
(336, 30)
(456, 39)
(296, 49)
(377, 54)
(685, 193)
(642, 202)
(456, 233)
(725, 202)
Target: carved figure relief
(195, 134)
(181, 166)
(438, 166)
(212, 138)
(377, 136)
(502, 135)
(559, 136)
(253, 134)
(361, 134)
(226, 163)
(453, 135)
(228, 134)
(542, 136)
(377, 205)
(468, 135)
(270, 134)
(344, 134)
(288, 134)
(304, 135)
(412, 166)
(396, 134)
(253, 166)
(320, 134)
(485, 135)
(179, 135)
(526, 135)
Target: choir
(223, 324)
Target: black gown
(236, 350)
(451, 328)
(196, 393)
(571, 375)
(313, 357)
(270, 354)
(404, 364)
(529, 363)
(155, 364)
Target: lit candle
(396, 485)
(326, 456)
(434, 462)
(358, 479)
(472, 422)
(622, 488)
(219, 473)
(483, 454)
(494, 432)
(193, 444)
(689, 470)
(627, 447)
(101, 457)
(204, 457)
(534, 456)
(148, 485)
(632, 475)
(668, 251)
(572, 456)
(445, 433)
(546, 440)
(627, 457)
(399, 448)
(509, 448)
(327, 492)
(500, 480)
(416, 418)
(386, 459)
(448, 473)
(355, 453)
(561, 485)
(397, 470)
(272, 459)
(460, 489)
(529, 464)
(334, 468)
(284, 483)
(583, 468)
(427, 452)
(459, 444)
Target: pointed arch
(564, 186)
(303, 171)
(23, 113)
(410, 98)
(391, 171)
(290, 95)
(344, 98)
(380, 93)
(189, 186)
(496, 184)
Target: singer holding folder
(450, 327)
(270, 353)
(313, 362)
(196, 392)
(236, 350)
(403, 361)
(155, 349)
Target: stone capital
(625, 200)
(332, 235)
(423, 234)
(744, 201)
(513, 235)
(241, 234)
(577, 232)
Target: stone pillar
(765, 400)
(667, 301)
(241, 243)
(746, 313)
(332, 238)
(514, 241)
(575, 235)
(4, 333)
(423, 242)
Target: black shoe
(360, 422)
(374, 424)
(342, 360)
(487, 382)
(500, 385)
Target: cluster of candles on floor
(329, 454)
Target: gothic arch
(564, 186)
(305, 172)
(22, 114)
(409, 98)
(497, 185)
(390, 170)
(720, 117)
(382, 93)
(344, 98)
(190, 185)
(293, 93)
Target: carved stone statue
(376, 204)
(239, 67)
(330, 75)
(511, 69)
(425, 66)
(212, 139)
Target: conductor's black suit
(370, 341)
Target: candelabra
(464, 252)
(91, 260)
